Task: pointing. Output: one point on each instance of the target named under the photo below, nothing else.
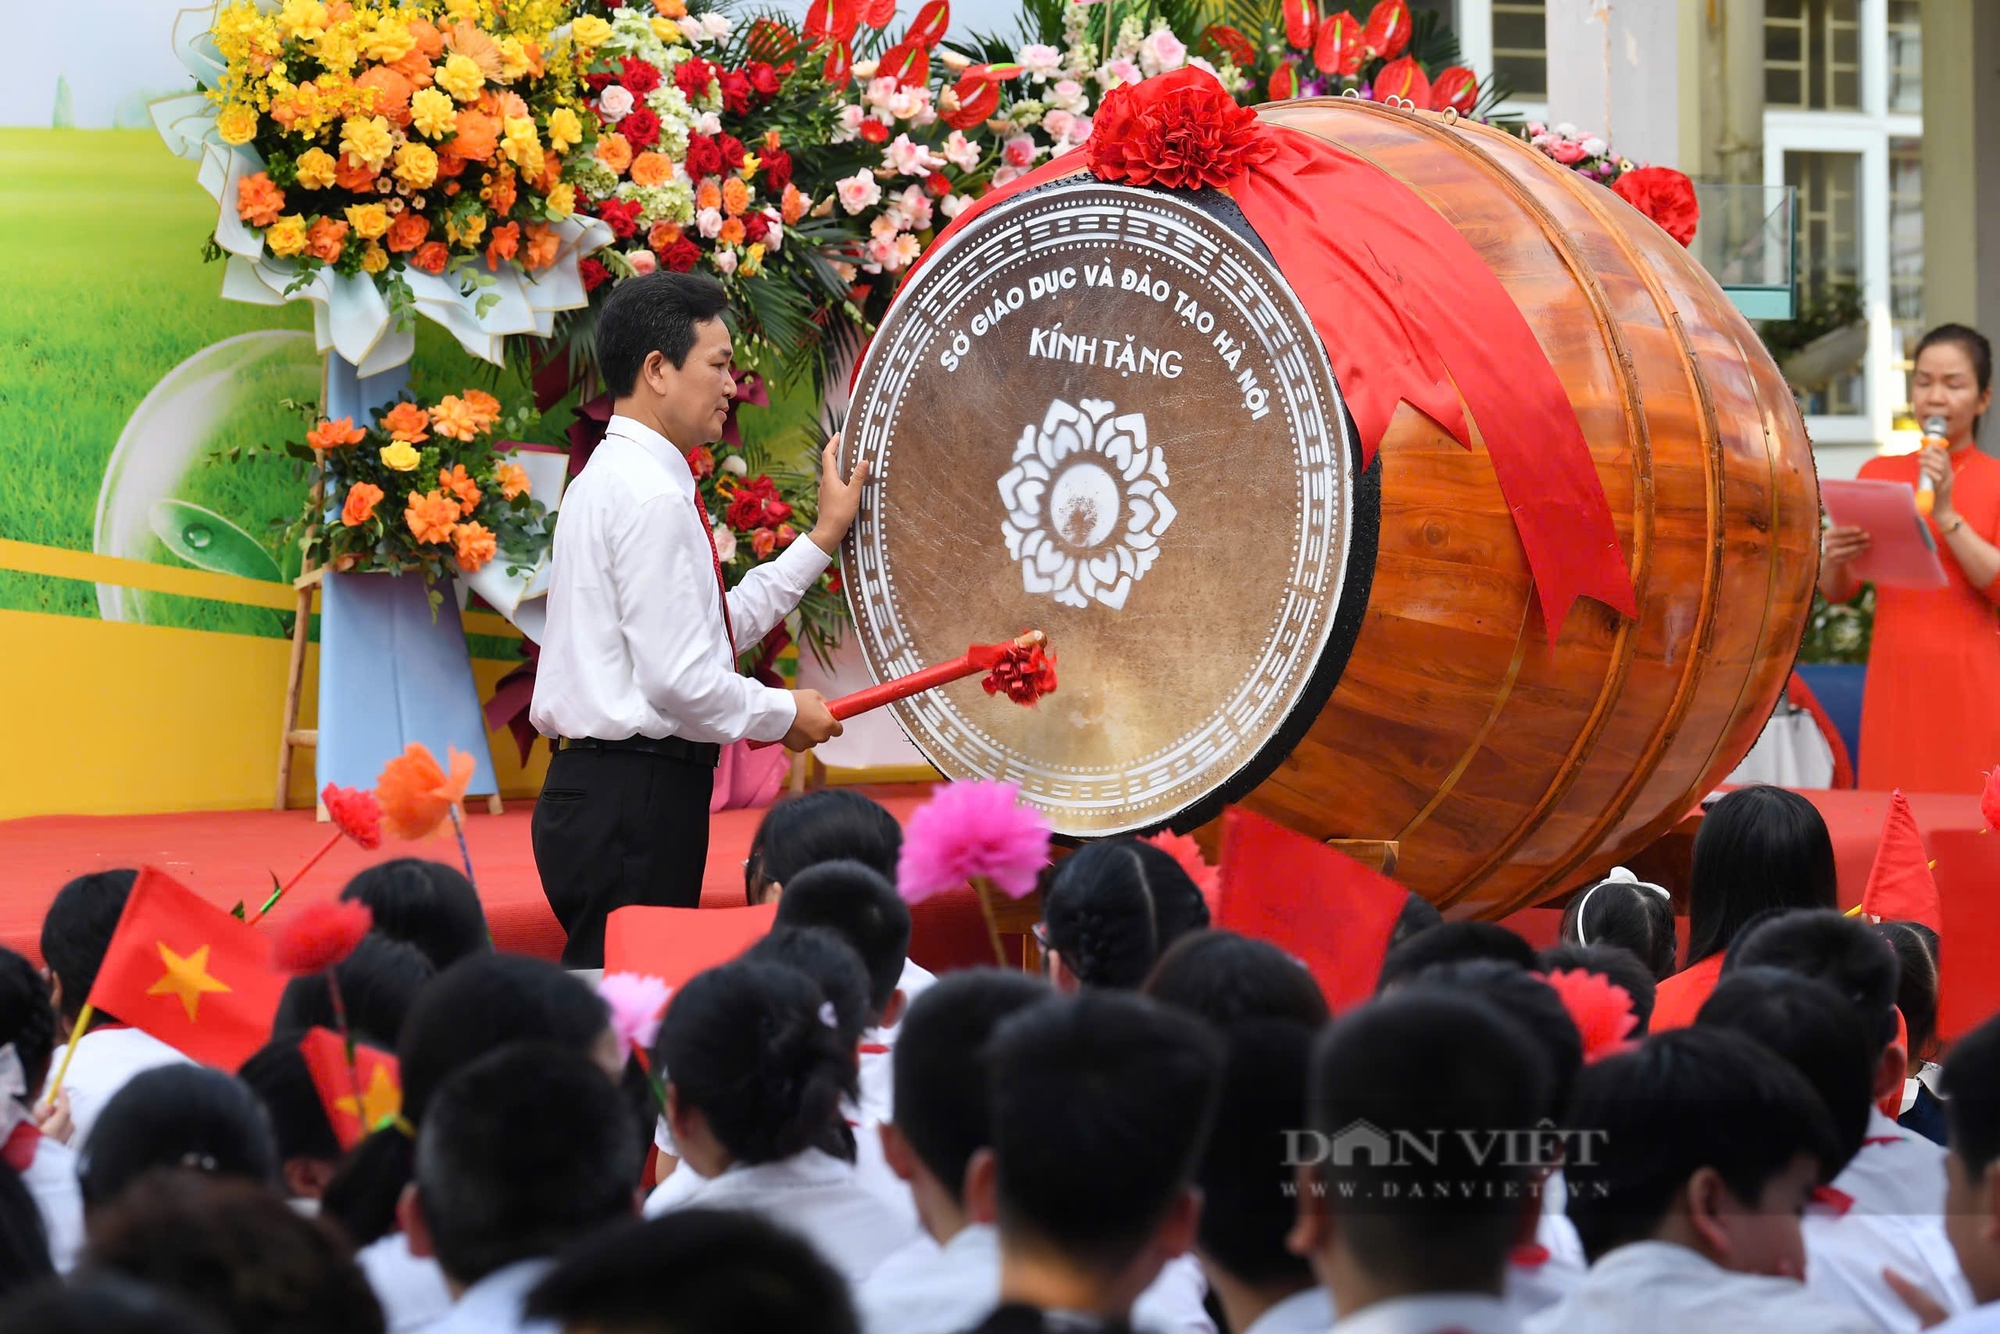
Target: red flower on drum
(1664, 195)
(1086, 504)
(1180, 130)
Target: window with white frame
(1828, 373)
(1812, 54)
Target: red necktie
(721, 589)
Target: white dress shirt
(411, 1290)
(1539, 1281)
(1308, 1312)
(106, 1060)
(1979, 1320)
(636, 644)
(493, 1304)
(1656, 1287)
(51, 1180)
(1455, 1313)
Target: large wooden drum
(1101, 411)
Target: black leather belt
(704, 753)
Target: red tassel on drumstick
(1023, 669)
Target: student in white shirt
(1972, 1197)
(637, 679)
(1113, 908)
(523, 1153)
(1690, 1161)
(696, 1271)
(76, 931)
(1405, 1243)
(756, 1067)
(46, 1167)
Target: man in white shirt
(637, 680)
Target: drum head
(1099, 411)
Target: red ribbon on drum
(1406, 308)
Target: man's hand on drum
(839, 501)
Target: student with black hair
(1101, 1103)
(76, 931)
(524, 1152)
(24, 1241)
(1886, 1206)
(1916, 947)
(1972, 1199)
(1113, 908)
(424, 903)
(233, 1249)
(379, 982)
(476, 1006)
(1419, 915)
(1627, 912)
(1691, 1158)
(696, 1271)
(308, 1150)
(1758, 849)
(105, 1303)
(177, 1116)
(1230, 979)
(47, 1167)
(1407, 1242)
(756, 1069)
(1453, 942)
(832, 824)
(637, 680)
(1616, 965)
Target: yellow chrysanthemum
(367, 140)
(389, 40)
(667, 31)
(589, 31)
(315, 168)
(520, 145)
(513, 58)
(302, 20)
(460, 76)
(338, 47)
(374, 258)
(560, 201)
(237, 124)
(469, 233)
(400, 456)
(464, 11)
(416, 166)
(287, 236)
(368, 220)
(433, 113)
(565, 129)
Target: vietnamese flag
(358, 1099)
(190, 974)
(673, 944)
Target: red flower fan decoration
(1600, 1009)
(356, 812)
(1178, 130)
(1023, 675)
(319, 935)
(1338, 51)
(1664, 195)
(1402, 77)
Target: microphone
(1934, 428)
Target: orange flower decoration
(325, 239)
(792, 205)
(258, 202)
(467, 40)
(474, 546)
(671, 9)
(456, 418)
(513, 479)
(541, 248)
(460, 484)
(362, 498)
(505, 105)
(450, 164)
(485, 407)
(416, 67)
(708, 194)
(408, 231)
(504, 244)
(431, 516)
(614, 151)
(431, 257)
(351, 173)
(392, 93)
(416, 795)
(735, 196)
(500, 191)
(430, 42)
(330, 435)
(732, 232)
(477, 137)
(406, 421)
(652, 169)
(663, 235)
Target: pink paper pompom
(636, 1001)
(973, 829)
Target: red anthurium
(1301, 18)
(1456, 87)
(928, 28)
(839, 65)
(1402, 77)
(878, 13)
(1004, 72)
(1230, 42)
(1388, 30)
(907, 64)
(819, 22)
(1284, 82)
(1338, 50)
(978, 99)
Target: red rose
(703, 158)
(701, 461)
(640, 127)
(753, 504)
(639, 76)
(735, 92)
(681, 256)
(777, 169)
(763, 78)
(1179, 130)
(1664, 195)
(597, 83)
(692, 76)
(731, 149)
(874, 131)
(621, 215)
(593, 273)
(756, 226)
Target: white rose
(709, 222)
(1595, 147)
(1041, 61)
(614, 103)
(715, 25)
(1068, 95)
(735, 466)
(725, 260)
(774, 239)
(710, 124)
(1565, 129)
(724, 540)
(1164, 51)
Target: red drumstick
(1021, 668)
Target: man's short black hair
(101, 1302)
(1618, 966)
(1248, 1207)
(834, 823)
(1454, 942)
(177, 1116)
(1419, 915)
(860, 904)
(1230, 979)
(695, 1271)
(1101, 1105)
(77, 929)
(1443, 1071)
(1811, 1025)
(1528, 1001)
(656, 312)
(941, 1060)
(1843, 952)
(1645, 1121)
(523, 1152)
(429, 904)
(1972, 1097)
(379, 985)
(282, 1081)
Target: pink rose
(642, 261)
(859, 191)
(1020, 152)
(614, 103)
(1058, 123)
(1568, 152)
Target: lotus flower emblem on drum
(1086, 503)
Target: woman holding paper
(1930, 715)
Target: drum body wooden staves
(1242, 612)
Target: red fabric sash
(1409, 313)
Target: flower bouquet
(1661, 193)
(1292, 49)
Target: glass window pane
(1906, 243)
(1826, 370)
(1812, 54)
(1906, 56)
(1520, 46)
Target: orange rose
(614, 151)
(392, 93)
(671, 9)
(258, 202)
(416, 67)
(325, 239)
(406, 422)
(762, 542)
(459, 483)
(329, 435)
(732, 232)
(541, 248)
(477, 136)
(429, 40)
(652, 169)
(792, 204)
(708, 194)
(499, 192)
(408, 231)
(503, 244)
(431, 516)
(351, 173)
(735, 196)
(485, 407)
(552, 166)
(474, 546)
(513, 479)
(455, 419)
(663, 235)
(362, 498)
(431, 257)
(449, 164)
